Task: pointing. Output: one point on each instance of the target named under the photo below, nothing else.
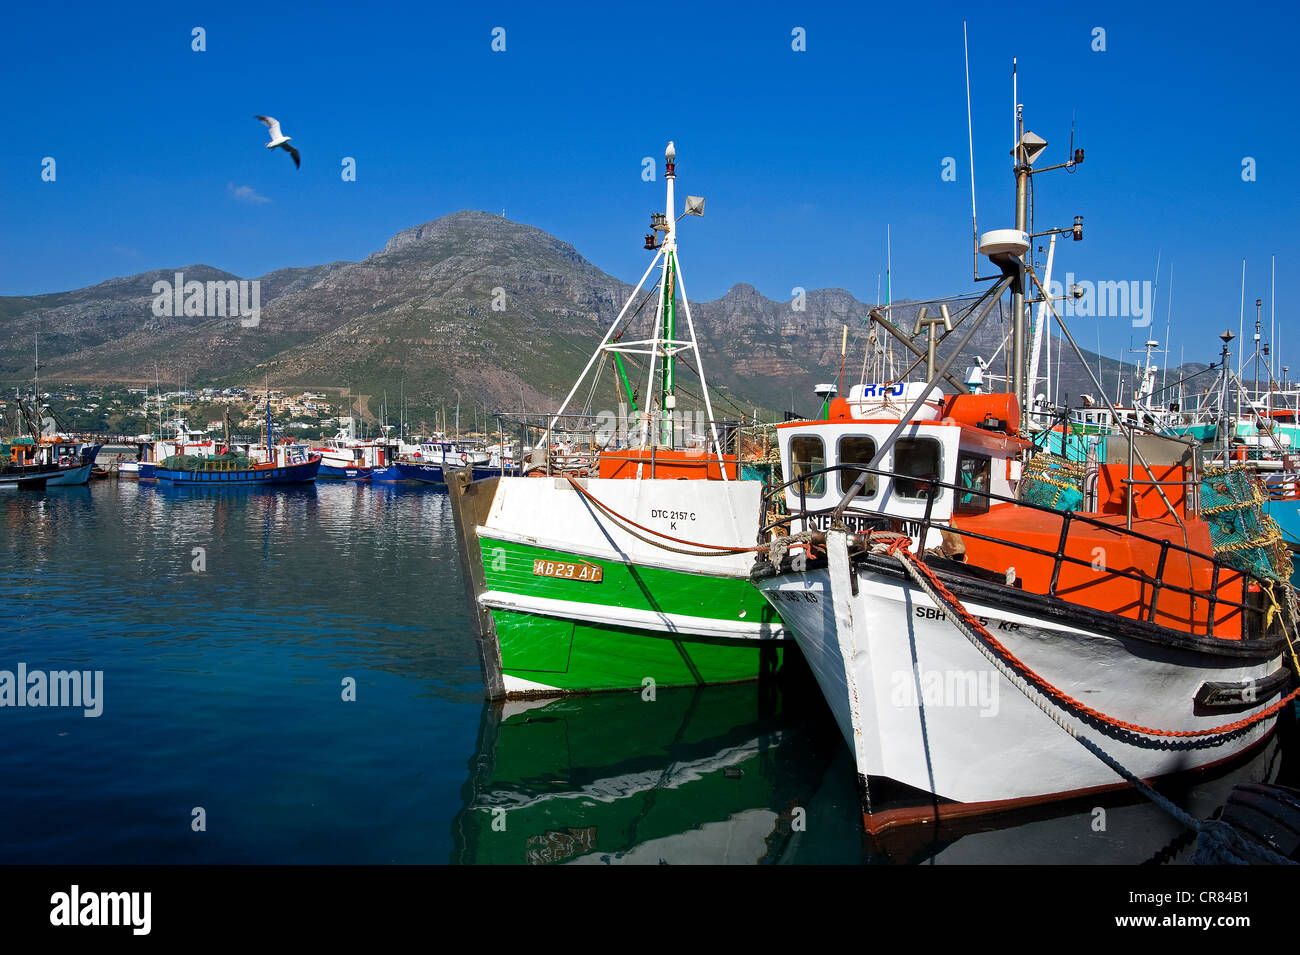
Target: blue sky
(804, 157)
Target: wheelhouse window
(915, 458)
(808, 454)
(856, 449)
(973, 478)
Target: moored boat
(964, 638)
(50, 462)
(235, 471)
(994, 628)
(621, 560)
(273, 464)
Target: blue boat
(421, 473)
(285, 464)
(219, 471)
(354, 473)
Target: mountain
(470, 304)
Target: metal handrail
(582, 429)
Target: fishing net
(217, 462)
(1242, 534)
(1049, 480)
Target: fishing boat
(936, 589)
(589, 573)
(43, 457)
(277, 464)
(993, 628)
(26, 462)
(346, 457)
(429, 461)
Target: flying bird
(278, 138)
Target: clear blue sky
(804, 157)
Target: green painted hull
(568, 651)
(1203, 433)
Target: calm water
(223, 689)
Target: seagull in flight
(278, 138)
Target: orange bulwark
(1094, 576)
(666, 464)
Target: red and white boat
(1116, 626)
(992, 628)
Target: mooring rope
(1217, 832)
(930, 583)
(715, 550)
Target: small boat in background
(27, 463)
(346, 457)
(43, 458)
(272, 464)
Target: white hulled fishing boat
(992, 628)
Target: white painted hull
(549, 512)
(920, 705)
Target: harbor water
(291, 676)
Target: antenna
(889, 268)
(1241, 320)
(1169, 324)
(970, 140)
(1015, 111)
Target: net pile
(1242, 534)
(217, 462)
(1050, 480)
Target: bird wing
(271, 123)
(294, 153)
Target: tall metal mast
(664, 344)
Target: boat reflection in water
(719, 774)
(753, 774)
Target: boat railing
(572, 442)
(1222, 573)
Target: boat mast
(668, 307)
(664, 342)
(1022, 224)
